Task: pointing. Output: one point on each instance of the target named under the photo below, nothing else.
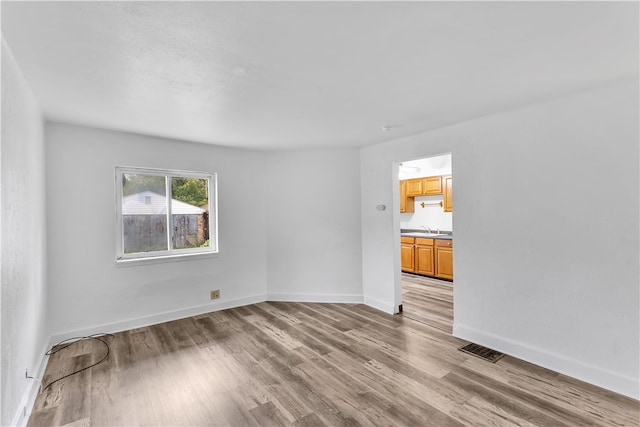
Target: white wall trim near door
(380, 305)
(622, 384)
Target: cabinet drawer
(409, 240)
(445, 243)
(424, 242)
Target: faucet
(426, 228)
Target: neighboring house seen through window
(165, 213)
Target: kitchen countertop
(444, 235)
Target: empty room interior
(242, 213)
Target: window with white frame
(165, 213)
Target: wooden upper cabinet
(406, 204)
(428, 186)
(448, 194)
(432, 185)
(414, 187)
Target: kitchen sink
(425, 234)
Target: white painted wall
(88, 291)
(313, 215)
(24, 333)
(289, 225)
(566, 298)
(433, 217)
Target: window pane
(190, 213)
(144, 213)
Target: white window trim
(171, 254)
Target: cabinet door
(406, 203)
(444, 262)
(448, 194)
(407, 257)
(414, 187)
(424, 260)
(432, 185)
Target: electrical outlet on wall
(215, 294)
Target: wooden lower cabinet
(444, 259)
(424, 257)
(429, 257)
(407, 254)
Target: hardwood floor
(428, 300)
(312, 364)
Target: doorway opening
(426, 240)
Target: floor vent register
(482, 352)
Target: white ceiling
(283, 75)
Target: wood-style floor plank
(295, 364)
(428, 300)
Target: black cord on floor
(74, 340)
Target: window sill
(134, 262)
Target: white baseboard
(322, 298)
(25, 407)
(155, 319)
(613, 381)
(380, 305)
(332, 298)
